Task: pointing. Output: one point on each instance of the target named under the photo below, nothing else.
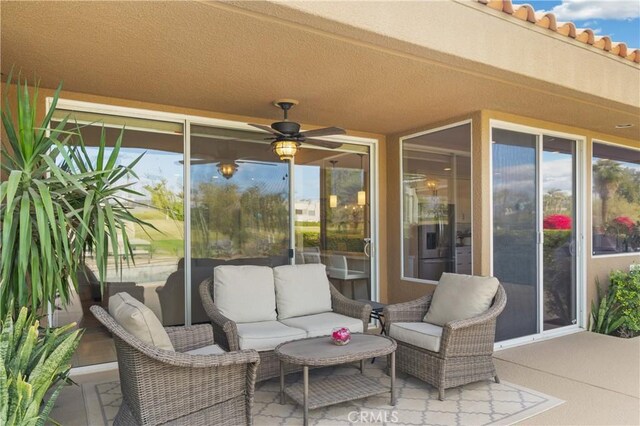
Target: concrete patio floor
(598, 377)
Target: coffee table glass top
(321, 351)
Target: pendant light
(362, 195)
(333, 198)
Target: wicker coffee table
(322, 352)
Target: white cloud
(580, 10)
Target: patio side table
(322, 352)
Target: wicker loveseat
(463, 349)
(166, 387)
(229, 333)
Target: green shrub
(626, 290)
(31, 362)
(606, 315)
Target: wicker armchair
(226, 333)
(164, 387)
(466, 346)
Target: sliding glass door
(332, 215)
(534, 179)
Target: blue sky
(618, 19)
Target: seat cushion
(138, 320)
(323, 324)
(206, 350)
(301, 290)
(420, 334)
(266, 335)
(459, 297)
(245, 293)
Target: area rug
(481, 403)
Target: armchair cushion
(245, 294)
(323, 324)
(302, 290)
(459, 297)
(266, 335)
(206, 350)
(139, 320)
(420, 334)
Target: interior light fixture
(333, 198)
(362, 195)
(447, 169)
(624, 126)
(227, 170)
(285, 149)
(433, 186)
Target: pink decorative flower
(557, 221)
(341, 336)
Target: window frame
(402, 140)
(592, 254)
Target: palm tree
(607, 176)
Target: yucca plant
(57, 203)
(31, 362)
(606, 314)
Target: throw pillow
(459, 297)
(138, 320)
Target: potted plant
(56, 204)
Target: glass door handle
(367, 247)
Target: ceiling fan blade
(262, 163)
(265, 128)
(326, 131)
(197, 162)
(326, 144)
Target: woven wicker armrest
(412, 311)
(225, 331)
(177, 359)
(191, 337)
(349, 307)
(475, 335)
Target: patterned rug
(481, 403)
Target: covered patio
(594, 375)
(464, 127)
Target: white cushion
(206, 350)
(266, 335)
(245, 293)
(323, 324)
(420, 334)
(458, 297)
(138, 320)
(301, 290)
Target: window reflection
(436, 199)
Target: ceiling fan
(287, 136)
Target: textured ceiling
(221, 58)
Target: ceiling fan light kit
(227, 170)
(285, 149)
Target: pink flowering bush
(624, 224)
(557, 221)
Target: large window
(436, 203)
(616, 199)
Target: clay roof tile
(527, 13)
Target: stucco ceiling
(221, 58)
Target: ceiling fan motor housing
(286, 127)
